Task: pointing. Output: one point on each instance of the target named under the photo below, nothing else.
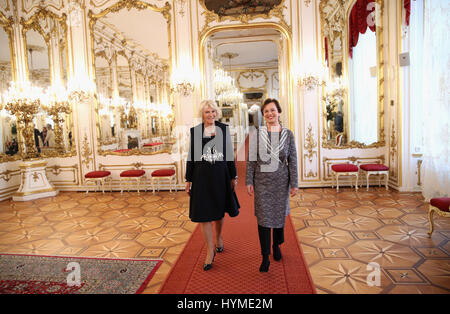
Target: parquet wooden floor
(340, 234)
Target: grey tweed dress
(272, 177)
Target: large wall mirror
(9, 147)
(45, 36)
(132, 66)
(353, 102)
(240, 64)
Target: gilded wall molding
(86, 152)
(393, 146)
(310, 144)
(56, 170)
(251, 75)
(7, 175)
(276, 12)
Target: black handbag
(233, 210)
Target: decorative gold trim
(310, 144)
(34, 192)
(251, 74)
(6, 175)
(210, 16)
(311, 174)
(86, 152)
(32, 165)
(56, 170)
(393, 145)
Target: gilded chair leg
(356, 185)
(387, 179)
(430, 218)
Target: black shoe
(209, 266)
(276, 253)
(264, 268)
(219, 249)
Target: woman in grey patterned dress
(271, 177)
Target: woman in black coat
(211, 177)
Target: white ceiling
(255, 47)
(146, 28)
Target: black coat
(210, 167)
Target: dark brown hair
(268, 101)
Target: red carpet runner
(236, 269)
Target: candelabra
(181, 82)
(57, 102)
(23, 101)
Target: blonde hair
(209, 103)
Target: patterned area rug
(36, 274)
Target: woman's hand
(294, 191)
(188, 188)
(233, 183)
(250, 190)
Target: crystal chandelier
(224, 85)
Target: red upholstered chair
(98, 178)
(167, 174)
(130, 176)
(344, 170)
(375, 169)
(441, 207)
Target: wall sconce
(183, 88)
(80, 89)
(313, 76)
(310, 82)
(181, 83)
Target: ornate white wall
(190, 24)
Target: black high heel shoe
(219, 249)
(209, 266)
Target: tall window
(363, 89)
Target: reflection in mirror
(45, 39)
(8, 126)
(106, 110)
(244, 65)
(134, 109)
(38, 59)
(353, 98)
